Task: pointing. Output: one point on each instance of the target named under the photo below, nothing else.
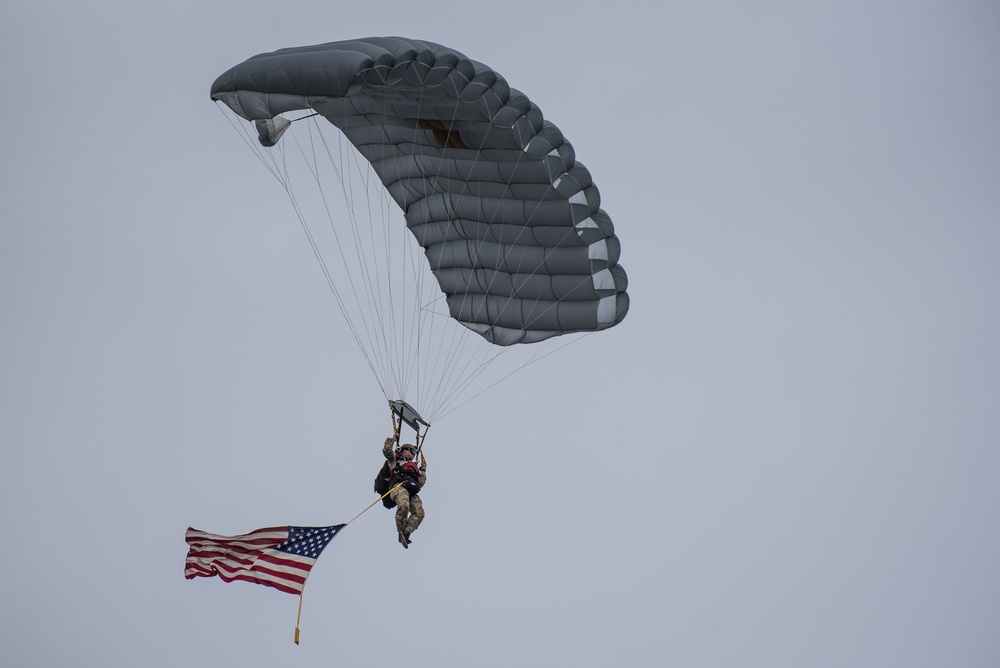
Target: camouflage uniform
(409, 507)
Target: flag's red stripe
(264, 576)
(280, 575)
(288, 589)
(209, 555)
(259, 573)
(272, 535)
(256, 544)
(285, 559)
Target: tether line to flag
(298, 617)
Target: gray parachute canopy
(510, 223)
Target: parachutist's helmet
(408, 446)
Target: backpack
(383, 483)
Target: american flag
(279, 557)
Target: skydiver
(402, 468)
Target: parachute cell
(510, 223)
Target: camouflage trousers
(409, 510)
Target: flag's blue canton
(308, 541)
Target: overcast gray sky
(785, 456)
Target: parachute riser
(402, 413)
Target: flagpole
(298, 619)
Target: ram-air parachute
(509, 224)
